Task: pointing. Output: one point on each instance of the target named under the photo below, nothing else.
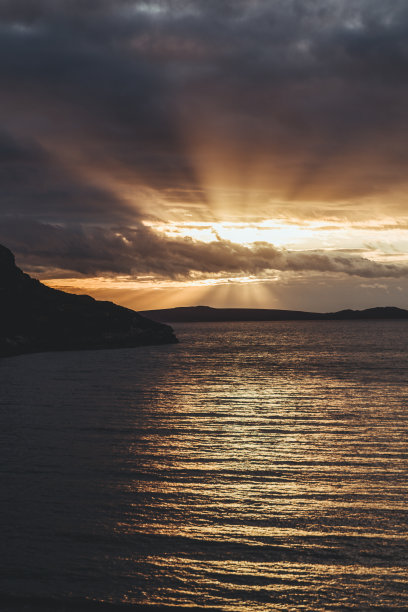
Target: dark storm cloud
(141, 251)
(310, 96)
(72, 82)
(35, 184)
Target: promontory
(36, 318)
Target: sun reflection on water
(247, 457)
(251, 467)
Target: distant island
(206, 314)
(36, 318)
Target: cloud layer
(308, 100)
(140, 251)
(114, 111)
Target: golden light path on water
(251, 467)
(293, 469)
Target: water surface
(254, 466)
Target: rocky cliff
(35, 318)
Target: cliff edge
(36, 318)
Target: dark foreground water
(255, 466)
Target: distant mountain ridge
(206, 314)
(34, 317)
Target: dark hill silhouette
(196, 314)
(34, 317)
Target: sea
(252, 466)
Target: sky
(229, 153)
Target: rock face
(36, 318)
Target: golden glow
(373, 239)
(276, 233)
(150, 294)
(381, 241)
